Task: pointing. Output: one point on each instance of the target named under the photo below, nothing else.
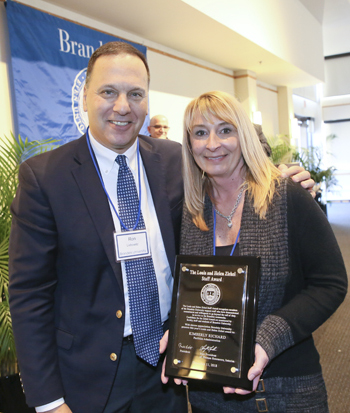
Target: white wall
(268, 106)
(308, 92)
(175, 82)
(337, 76)
(336, 108)
(294, 32)
(336, 37)
(173, 107)
(336, 29)
(338, 155)
(309, 108)
(336, 102)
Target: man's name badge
(130, 245)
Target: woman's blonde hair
(262, 176)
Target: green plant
(281, 149)
(11, 154)
(311, 160)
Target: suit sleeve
(33, 279)
(262, 139)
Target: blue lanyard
(214, 240)
(104, 188)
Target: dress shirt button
(119, 314)
(113, 357)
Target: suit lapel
(155, 170)
(96, 202)
(98, 207)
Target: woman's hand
(163, 344)
(254, 373)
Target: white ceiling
(175, 24)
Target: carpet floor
(332, 339)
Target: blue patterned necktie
(145, 316)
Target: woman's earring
(203, 174)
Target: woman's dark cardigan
(302, 280)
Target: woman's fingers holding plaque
(163, 377)
(254, 373)
(163, 344)
(229, 390)
(180, 381)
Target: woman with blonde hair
(236, 203)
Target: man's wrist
(50, 406)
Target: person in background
(158, 127)
(232, 188)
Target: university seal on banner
(80, 117)
(210, 294)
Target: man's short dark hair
(115, 49)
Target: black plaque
(213, 319)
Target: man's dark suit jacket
(65, 284)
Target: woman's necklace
(229, 217)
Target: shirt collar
(106, 157)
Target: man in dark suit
(68, 296)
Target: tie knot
(121, 160)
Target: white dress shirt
(109, 171)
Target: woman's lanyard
(103, 185)
(214, 240)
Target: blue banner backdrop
(49, 60)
